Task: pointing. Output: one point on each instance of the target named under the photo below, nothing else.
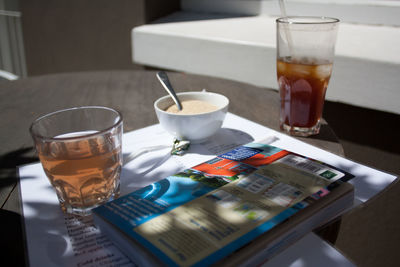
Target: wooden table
(131, 92)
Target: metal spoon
(163, 78)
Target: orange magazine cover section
(241, 161)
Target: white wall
(357, 11)
(203, 40)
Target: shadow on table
(44, 224)
(325, 134)
(364, 126)
(11, 230)
(12, 241)
(10, 161)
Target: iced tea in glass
(305, 51)
(80, 151)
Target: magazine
(211, 212)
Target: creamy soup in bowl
(201, 117)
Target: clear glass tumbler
(305, 52)
(81, 153)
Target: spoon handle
(162, 76)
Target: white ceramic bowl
(197, 127)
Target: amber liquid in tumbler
(302, 85)
(85, 173)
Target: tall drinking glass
(80, 151)
(305, 52)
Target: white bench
(366, 68)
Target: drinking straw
(286, 29)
